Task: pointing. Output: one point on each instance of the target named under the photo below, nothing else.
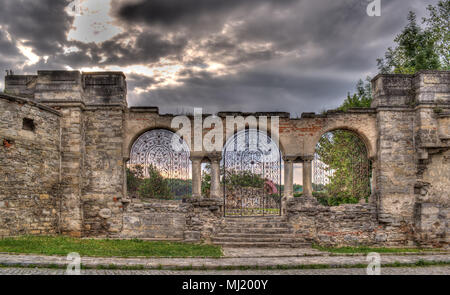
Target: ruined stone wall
(194, 220)
(396, 173)
(432, 135)
(68, 175)
(104, 175)
(29, 167)
(297, 137)
(432, 204)
(72, 169)
(345, 225)
(155, 219)
(412, 167)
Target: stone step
(254, 218)
(253, 235)
(254, 230)
(259, 225)
(275, 239)
(262, 245)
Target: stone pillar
(373, 183)
(288, 177)
(196, 177)
(307, 176)
(215, 176)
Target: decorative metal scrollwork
(251, 175)
(165, 151)
(341, 167)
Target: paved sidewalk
(439, 270)
(308, 258)
(300, 252)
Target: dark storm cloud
(139, 81)
(335, 41)
(284, 55)
(149, 47)
(247, 91)
(42, 23)
(190, 12)
(8, 49)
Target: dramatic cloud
(252, 55)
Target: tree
(346, 156)
(155, 186)
(420, 48)
(206, 180)
(361, 99)
(134, 179)
(438, 24)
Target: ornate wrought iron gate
(168, 153)
(251, 175)
(341, 167)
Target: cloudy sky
(248, 55)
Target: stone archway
(164, 152)
(341, 169)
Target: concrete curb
(215, 263)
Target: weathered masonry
(66, 136)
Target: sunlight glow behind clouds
(93, 24)
(28, 52)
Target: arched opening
(159, 166)
(341, 169)
(251, 175)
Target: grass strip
(59, 245)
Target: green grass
(105, 248)
(365, 249)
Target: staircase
(257, 232)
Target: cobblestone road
(349, 271)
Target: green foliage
(334, 200)
(243, 179)
(361, 99)
(346, 156)
(297, 188)
(318, 187)
(134, 179)
(180, 187)
(438, 26)
(206, 180)
(155, 185)
(420, 48)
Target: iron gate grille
(251, 175)
(169, 154)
